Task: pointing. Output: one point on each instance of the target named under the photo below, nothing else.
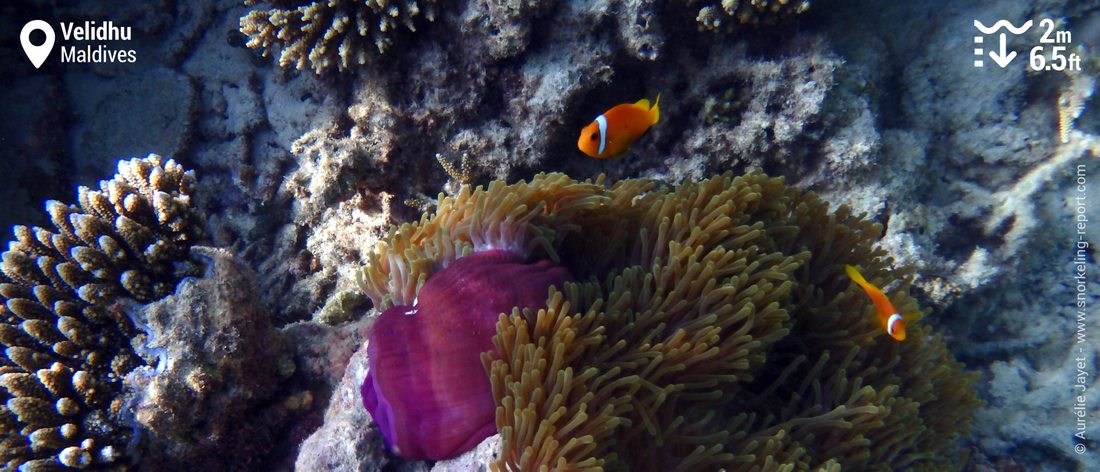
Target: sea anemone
(427, 389)
(712, 327)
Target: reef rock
(348, 440)
(204, 403)
(162, 100)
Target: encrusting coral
(66, 346)
(712, 327)
(331, 33)
(210, 401)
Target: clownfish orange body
(891, 319)
(612, 133)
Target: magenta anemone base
(426, 388)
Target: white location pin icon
(37, 54)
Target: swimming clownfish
(612, 133)
(891, 319)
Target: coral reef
(499, 29)
(760, 113)
(67, 345)
(969, 171)
(715, 328)
(640, 28)
(973, 140)
(318, 240)
(482, 85)
(322, 350)
(475, 459)
(328, 34)
(534, 95)
(726, 15)
(209, 401)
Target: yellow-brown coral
(66, 347)
(713, 328)
(331, 33)
(724, 15)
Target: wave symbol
(1002, 24)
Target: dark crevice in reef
(962, 236)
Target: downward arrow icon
(1002, 59)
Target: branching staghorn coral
(712, 327)
(330, 33)
(66, 346)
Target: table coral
(713, 327)
(66, 345)
(331, 33)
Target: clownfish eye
(595, 136)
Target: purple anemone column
(427, 389)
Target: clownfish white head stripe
(602, 122)
(893, 324)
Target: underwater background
(205, 236)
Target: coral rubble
(67, 345)
(713, 327)
(328, 34)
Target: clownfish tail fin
(854, 274)
(655, 112)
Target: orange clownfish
(891, 319)
(612, 133)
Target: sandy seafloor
(877, 105)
